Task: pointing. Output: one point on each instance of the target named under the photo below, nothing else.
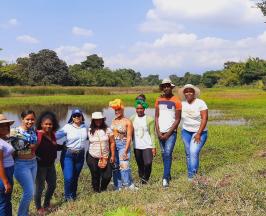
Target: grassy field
(232, 178)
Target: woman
(194, 131)
(6, 167)
(122, 129)
(143, 139)
(167, 118)
(72, 156)
(25, 143)
(46, 154)
(101, 152)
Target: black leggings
(144, 161)
(100, 178)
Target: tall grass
(232, 175)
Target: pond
(63, 113)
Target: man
(167, 118)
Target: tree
(8, 75)
(151, 80)
(45, 68)
(262, 6)
(231, 75)
(93, 62)
(210, 78)
(255, 69)
(193, 79)
(1, 61)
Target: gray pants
(48, 175)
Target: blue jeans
(25, 173)
(192, 150)
(5, 199)
(122, 172)
(167, 148)
(71, 164)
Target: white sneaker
(133, 187)
(165, 183)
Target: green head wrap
(142, 103)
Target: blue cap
(76, 111)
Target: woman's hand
(124, 156)
(8, 188)
(112, 159)
(161, 136)
(154, 152)
(197, 138)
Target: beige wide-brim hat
(166, 81)
(181, 91)
(4, 120)
(97, 115)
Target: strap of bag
(100, 144)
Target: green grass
(232, 177)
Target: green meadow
(232, 177)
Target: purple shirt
(7, 150)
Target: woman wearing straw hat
(6, 167)
(122, 129)
(194, 131)
(72, 156)
(101, 152)
(167, 118)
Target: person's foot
(133, 187)
(41, 211)
(165, 183)
(143, 181)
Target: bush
(4, 92)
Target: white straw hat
(3, 120)
(97, 115)
(166, 81)
(181, 91)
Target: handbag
(102, 160)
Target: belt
(74, 151)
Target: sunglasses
(76, 115)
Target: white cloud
(27, 39)
(13, 22)
(74, 54)
(182, 13)
(178, 53)
(157, 25)
(9, 24)
(81, 31)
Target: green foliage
(255, 69)
(151, 80)
(8, 75)
(45, 68)
(93, 62)
(262, 6)
(4, 92)
(210, 78)
(193, 79)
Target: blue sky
(153, 37)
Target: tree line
(46, 68)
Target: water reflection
(63, 113)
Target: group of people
(29, 151)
